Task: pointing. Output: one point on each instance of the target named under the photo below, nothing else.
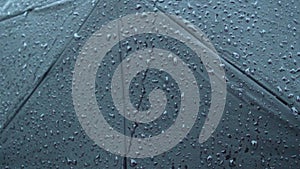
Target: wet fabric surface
(256, 41)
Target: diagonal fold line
(123, 94)
(43, 77)
(228, 62)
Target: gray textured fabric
(258, 43)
